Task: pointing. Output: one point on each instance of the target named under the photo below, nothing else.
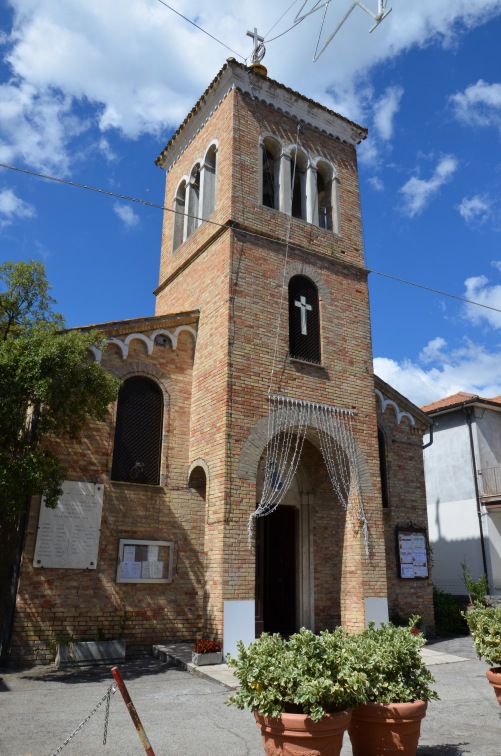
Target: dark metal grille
(304, 315)
(268, 179)
(138, 433)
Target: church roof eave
(235, 75)
(146, 323)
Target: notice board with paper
(412, 553)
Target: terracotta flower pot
(378, 729)
(494, 677)
(296, 734)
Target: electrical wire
(277, 22)
(255, 235)
(201, 29)
(267, 41)
(434, 291)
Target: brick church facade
(252, 300)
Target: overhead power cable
(201, 29)
(277, 22)
(434, 291)
(227, 225)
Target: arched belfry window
(304, 320)
(195, 197)
(298, 185)
(324, 197)
(270, 179)
(180, 214)
(383, 468)
(193, 209)
(138, 432)
(208, 182)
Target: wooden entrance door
(276, 567)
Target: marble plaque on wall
(68, 536)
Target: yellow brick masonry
(226, 281)
(90, 602)
(236, 284)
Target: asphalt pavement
(186, 715)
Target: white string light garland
(288, 422)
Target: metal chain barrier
(112, 688)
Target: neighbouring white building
(463, 489)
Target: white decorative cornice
(385, 402)
(148, 340)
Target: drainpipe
(425, 446)
(468, 413)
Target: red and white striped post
(132, 711)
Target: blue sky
(90, 92)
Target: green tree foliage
(49, 387)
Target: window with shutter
(138, 433)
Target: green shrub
(477, 589)
(448, 617)
(485, 627)
(390, 657)
(306, 674)
(321, 674)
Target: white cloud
(433, 350)
(126, 214)
(475, 209)
(385, 110)
(470, 368)
(13, 208)
(479, 289)
(106, 150)
(36, 126)
(479, 105)
(418, 193)
(376, 183)
(140, 67)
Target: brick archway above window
(302, 269)
(146, 370)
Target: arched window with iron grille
(138, 432)
(304, 320)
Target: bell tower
(262, 236)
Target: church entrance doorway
(276, 571)
(284, 592)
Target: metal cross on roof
(379, 16)
(259, 48)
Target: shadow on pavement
(131, 669)
(443, 750)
